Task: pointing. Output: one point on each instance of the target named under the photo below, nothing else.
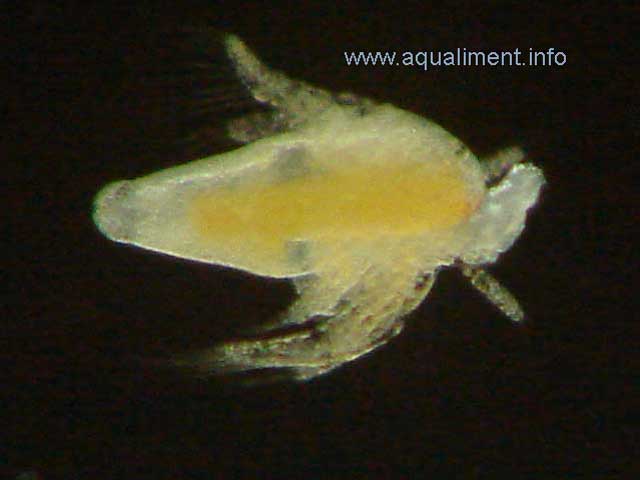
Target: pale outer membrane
(360, 206)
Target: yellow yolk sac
(350, 202)
(359, 203)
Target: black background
(462, 393)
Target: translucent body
(359, 203)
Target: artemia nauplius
(359, 203)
